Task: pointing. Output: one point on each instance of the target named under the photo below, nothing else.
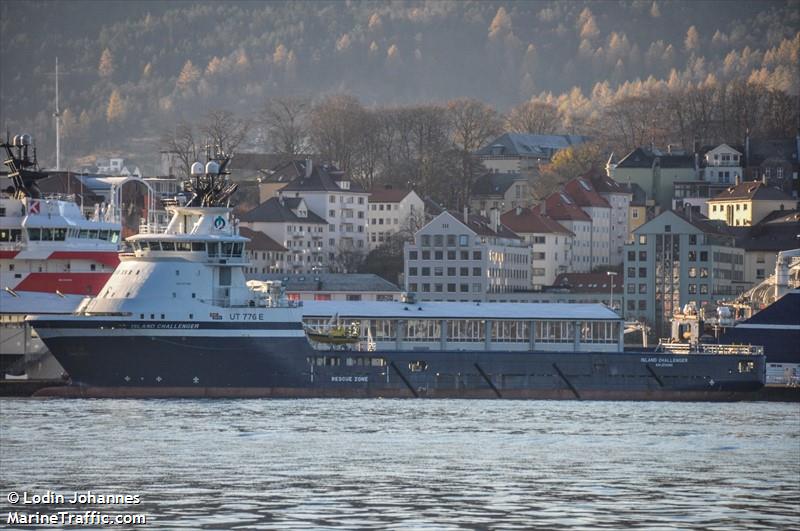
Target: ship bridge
(455, 326)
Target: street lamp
(611, 274)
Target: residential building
(279, 176)
(500, 191)
(466, 258)
(293, 225)
(640, 209)
(334, 287)
(392, 210)
(522, 152)
(748, 203)
(778, 231)
(116, 167)
(562, 208)
(655, 171)
(774, 160)
(721, 164)
(675, 260)
(599, 210)
(619, 197)
(550, 242)
(265, 254)
(719, 167)
(342, 203)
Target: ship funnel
(197, 168)
(212, 167)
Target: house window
(642, 239)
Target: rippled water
(443, 464)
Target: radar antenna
(22, 165)
(209, 185)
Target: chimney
(495, 219)
(309, 167)
(519, 210)
(543, 207)
(738, 179)
(747, 147)
(764, 179)
(466, 214)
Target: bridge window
(199, 246)
(183, 246)
(93, 234)
(103, 234)
(167, 246)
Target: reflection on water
(279, 464)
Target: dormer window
(344, 185)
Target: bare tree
(533, 117)
(335, 125)
(224, 131)
(286, 122)
(181, 143)
(472, 123)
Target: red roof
(562, 207)
(526, 220)
(589, 282)
(388, 195)
(584, 194)
(260, 241)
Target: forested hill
(130, 69)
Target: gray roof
(779, 231)
(349, 282)
(530, 145)
(323, 178)
(644, 158)
(458, 310)
(279, 210)
(495, 183)
(774, 148)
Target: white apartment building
(339, 202)
(598, 209)
(523, 152)
(392, 211)
(265, 254)
(723, 164)
(550, 242)
(619, 198)
(291, 224)
(465, 258)
(562, 208)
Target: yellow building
(748, 203)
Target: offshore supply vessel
(51, 257)
(178, 319)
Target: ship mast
(57, 115)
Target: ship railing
(58, 196)
(710, 348)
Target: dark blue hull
(241, 366)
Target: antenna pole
(57, 115)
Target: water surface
(436, 464)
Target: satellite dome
(17, 141)
(197, 168)
(212, 167)
(26, 139)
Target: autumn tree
(566, 164)
(115, 111)
(106, 66)
(189, 74)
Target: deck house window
(511, 331)
(466, 330)
(423, 330)
(554, 332)
(382, 329)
